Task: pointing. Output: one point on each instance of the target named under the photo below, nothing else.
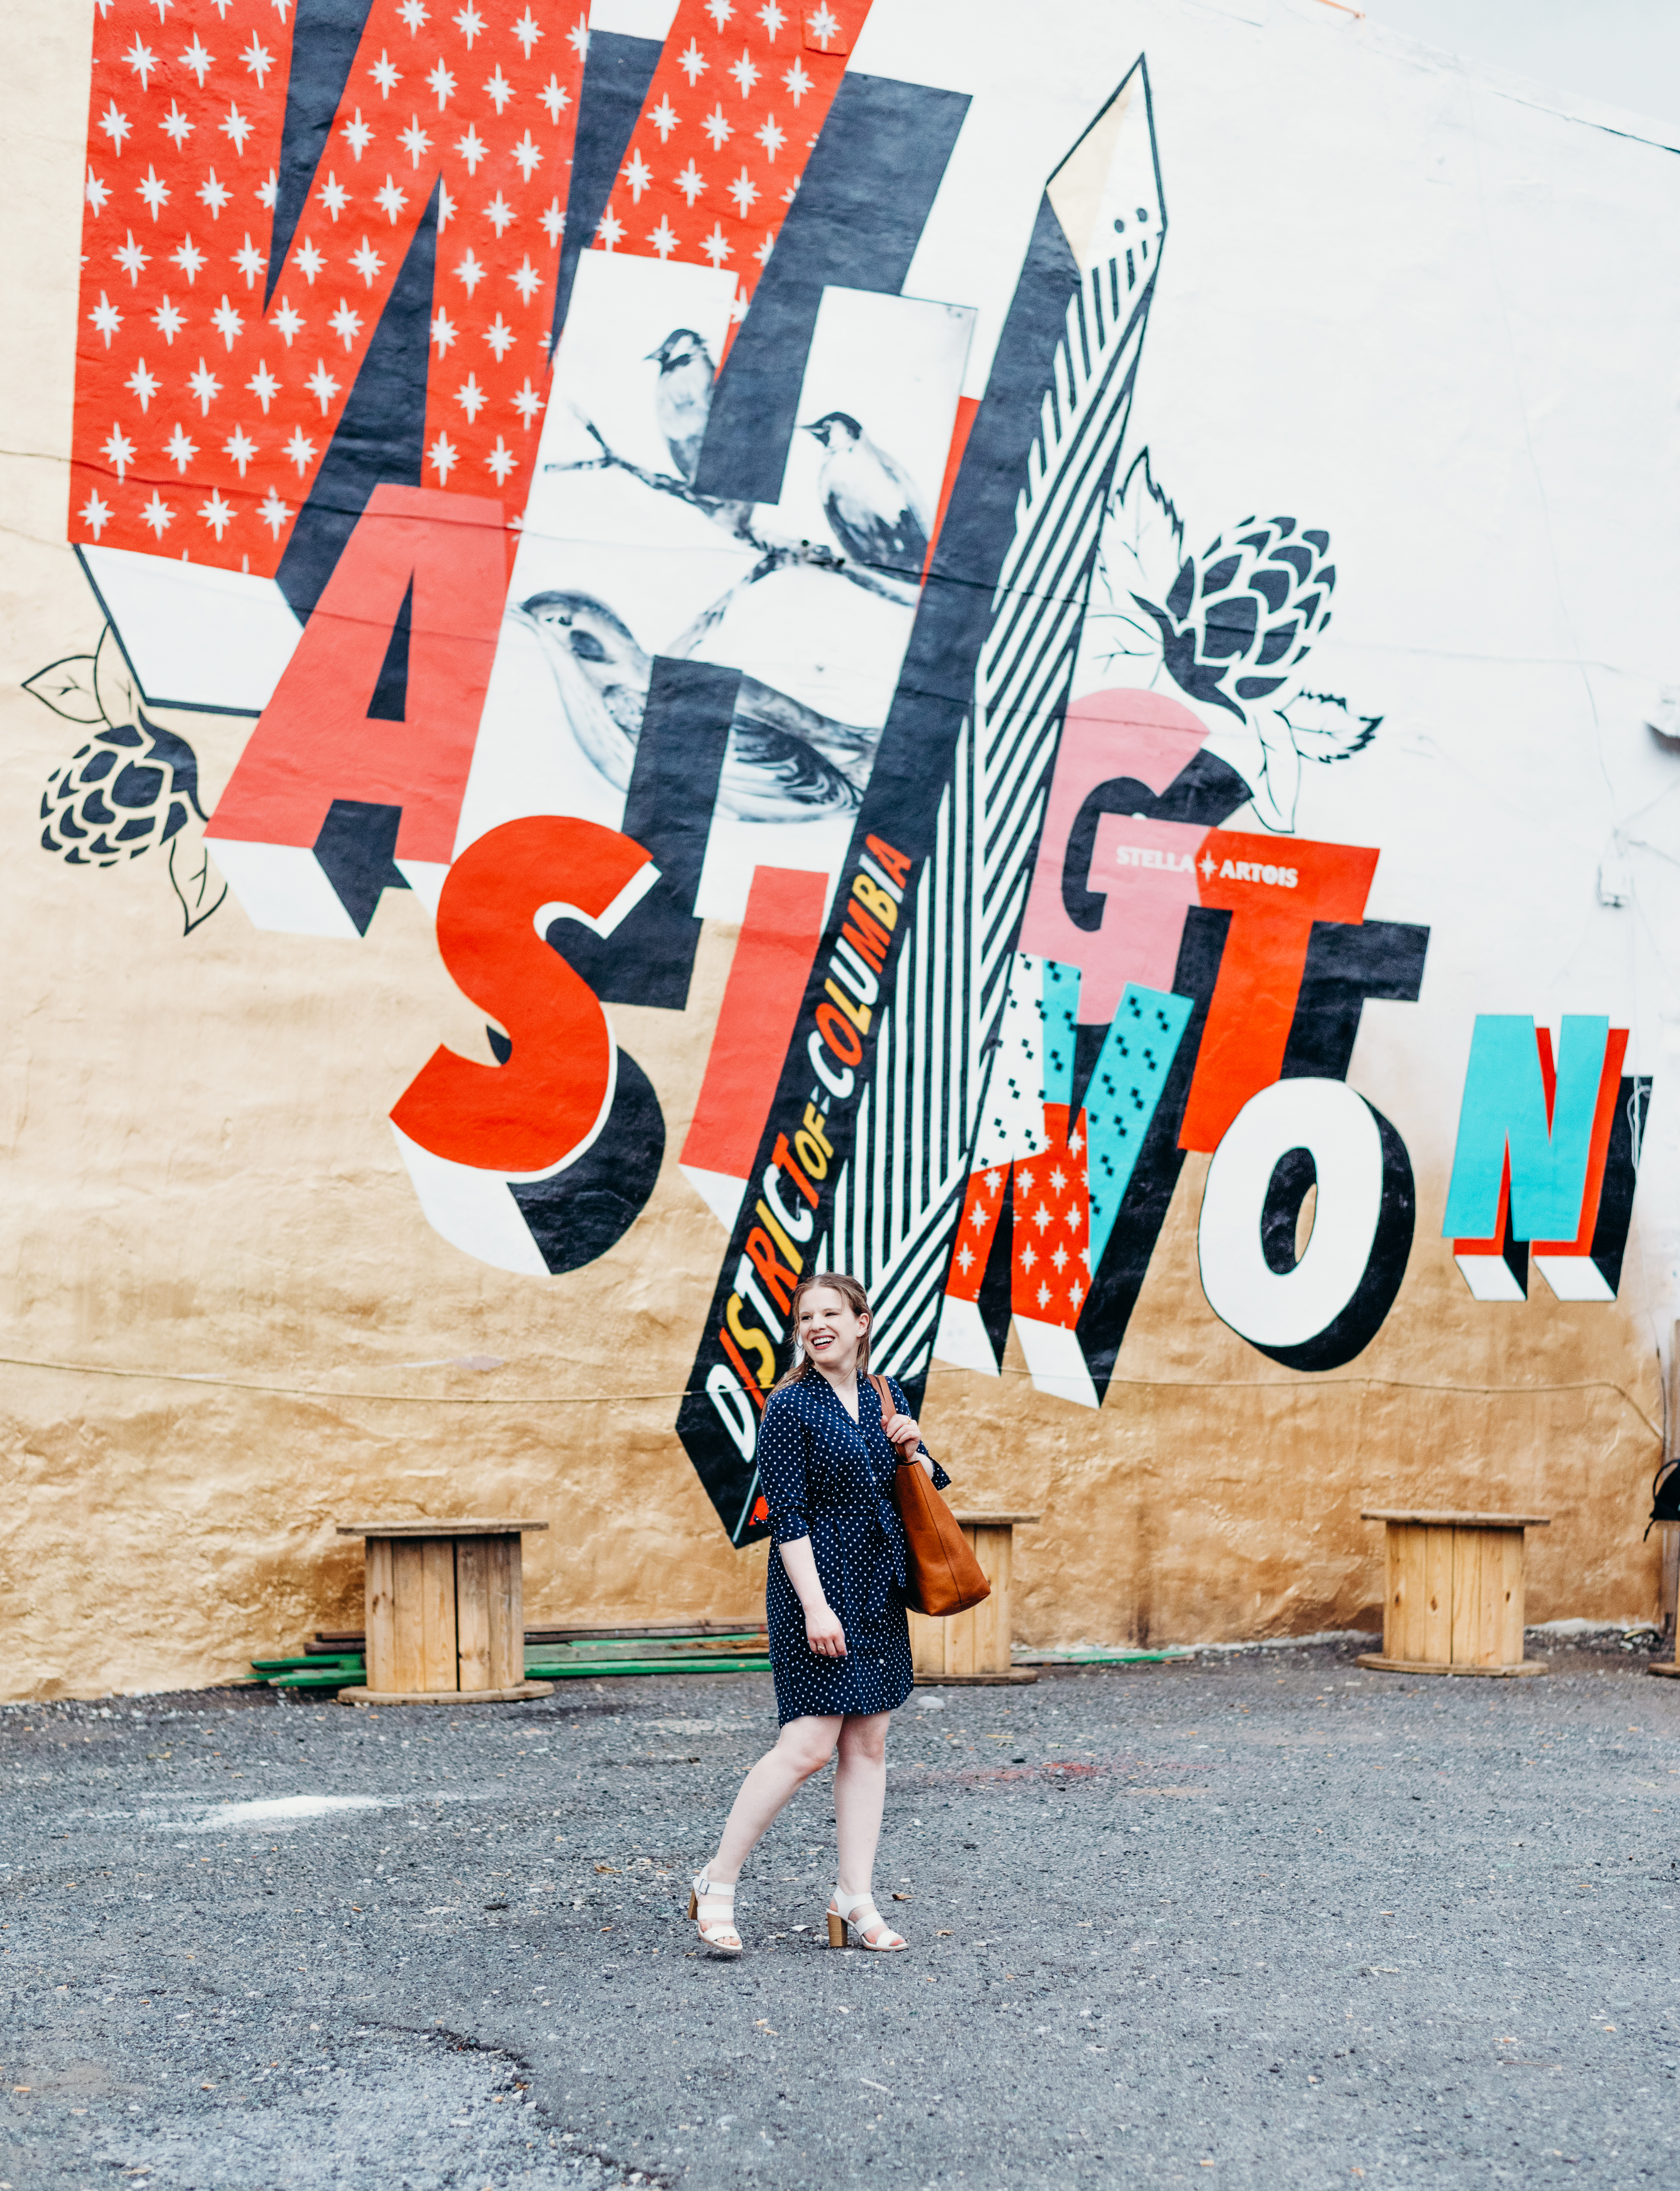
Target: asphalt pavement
(1263, 1919)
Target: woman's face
(830, 1328)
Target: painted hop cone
(131, 786)
(1241, 615)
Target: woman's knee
(807, 1747)
(864, 1739)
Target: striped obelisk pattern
(901, 1194)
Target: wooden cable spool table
(973, 1647)
(1455, 1599)
(445, 1612)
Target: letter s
(551, 1098)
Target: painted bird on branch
(872, 505)
(682, 395)
(785, 761)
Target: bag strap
(888, 1407)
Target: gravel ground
(1264, 1920)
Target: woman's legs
(804, 1747)
(860, 1795)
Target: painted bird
(683, 396)
(869, 500)
(785, 762)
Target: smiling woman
(828, 1448)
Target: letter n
(353, 779)
(1525, 1140)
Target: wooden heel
(694, 1904)
(837, 1931)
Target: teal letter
(1504, 1108)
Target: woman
(839, 1639)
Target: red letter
(315, 741)
(1254, 999)
(549, 1099)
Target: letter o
(841, 1036)
(1268, 874)
(1321, 1311)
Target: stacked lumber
(335, 1660)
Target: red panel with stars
(206, 398)
(981, 1210)
(741, 92)
(1051, 1274)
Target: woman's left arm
(905, 1434)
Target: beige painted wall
(227, 1327)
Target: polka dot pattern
(829, 1478)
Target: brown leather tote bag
(942, 1574)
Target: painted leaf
(114, 681)
(66, 686)
(1325, 728)
(198, 883)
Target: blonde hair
(855, 1299)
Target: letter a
(293, 862)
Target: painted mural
(637, 472)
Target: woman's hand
(823, 1632)
(904, 1432)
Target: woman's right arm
(823, 1632)
(782, 1472)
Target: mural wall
(652, 646)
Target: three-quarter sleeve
(781, 1468)
(941, 1481)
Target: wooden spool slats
(446, 1611)
(1455, 1594)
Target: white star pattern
(386, 167)
(131, 259)
(240, 447)
(106, 317)
(205, 386)
(682, 139)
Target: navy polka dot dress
(830, 1478)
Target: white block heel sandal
(716, 1928)
(857, 1913)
